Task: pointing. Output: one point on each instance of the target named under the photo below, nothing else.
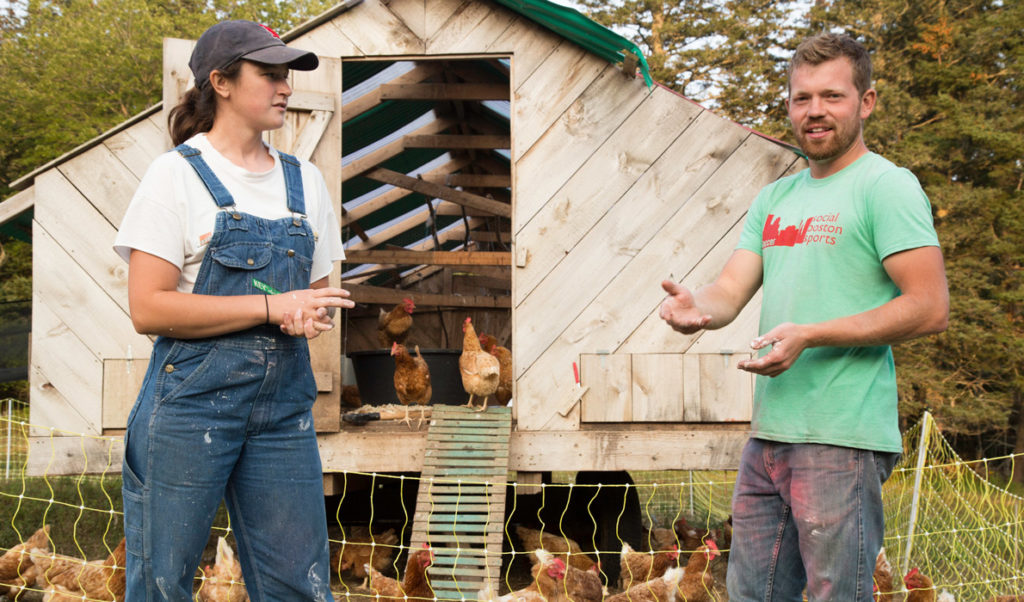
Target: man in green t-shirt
(849, 261)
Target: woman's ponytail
(197, 109)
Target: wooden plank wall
(80, 286)
(616, 186)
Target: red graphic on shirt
(821, 229)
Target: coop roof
(574, 26)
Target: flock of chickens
(485, 366)
(30, 566)
(560, 571)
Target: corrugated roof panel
(576, 27)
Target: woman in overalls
(230, 243)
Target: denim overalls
(230, 417)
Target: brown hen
(393, 326)
(697, 584)
(561, 546)
(661, 589)
(97, 580)
(919, 587)
(503, 394)
(17, 569)
(882, 577)
(639, 567)
(414, 584)
(412, 380)
(480, 370)
(362, 547)
(223, 581)
(548, 583)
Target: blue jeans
(806, 515)
(191, 441)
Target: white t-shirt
(172, 214)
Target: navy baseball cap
(229, 41)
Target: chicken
(639, 567)
(350, 396)
(691, 537)
(394, 326)
(661, 589)
(362, 547)
(583, 586)
(947, 596)
(883, 589)
(17, 569)
(726, 540)
(415, 583)
(919, 587)
(97, 580)
(562, 547)
(480, 370)
(412, 379)
(697, 584)
(504, 392)
(223, 582)
(659, 539)
(59, 593)
(548, 583)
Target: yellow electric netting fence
(953, 520)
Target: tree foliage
(729, 55)
(74, 68)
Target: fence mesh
(953, 520)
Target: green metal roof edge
(578, 28)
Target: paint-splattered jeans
(226, 418)
(806, 515)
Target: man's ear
(867, 102)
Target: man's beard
(840, 141)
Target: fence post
(922, 453)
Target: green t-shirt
(821, 243)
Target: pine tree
(948, 75)
(728, 55)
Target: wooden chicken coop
(495, 159)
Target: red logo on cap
(272, 32)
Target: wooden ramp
(460, 508)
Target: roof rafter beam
(392, 149)
(411, 258)
(444, 92)
(432, 190)
(471, 180)
(384, 199)
(388, 296)
(372, 99)
(454, 141)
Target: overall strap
(220, 194)
(293, 183)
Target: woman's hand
(307, 312)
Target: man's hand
(787, 341)
(680, 310)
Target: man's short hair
(824, 47)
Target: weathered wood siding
(615, 187)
